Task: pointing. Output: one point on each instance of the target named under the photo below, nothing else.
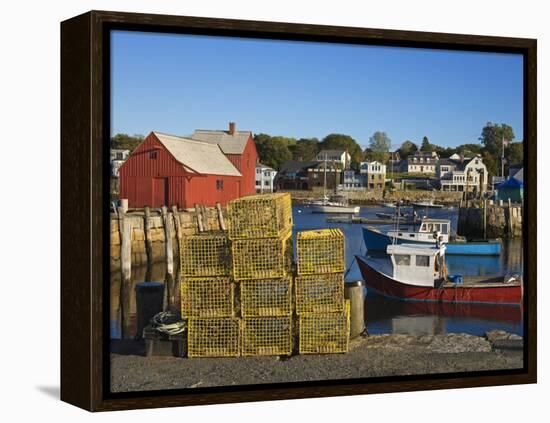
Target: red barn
(239, 147)
(168, 170)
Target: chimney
(232, 128)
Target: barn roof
(202, 157)
(230, 144)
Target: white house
(118, 156)
(422, 162)
(336, 156)
(464, 174)
(374, 174)
(264, 178)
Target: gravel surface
(377, 355)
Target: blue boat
(431, 231)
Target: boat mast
(325, 179)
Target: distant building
(511, 189)
(336, 156)
(464, 174)
(374, 174)
(118, 156)
(265, 177)
(238, 147)
(316, 175)
(395, 163)
(294, 175)
(422, 162)
(353, 180)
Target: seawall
(502, 221)
(188, 225)
(377, 196)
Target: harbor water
(392, 316)
(422, 318)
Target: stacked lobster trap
(323, 314)
(238, 292)
(260, 230)
(208, 297)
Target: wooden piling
(204, 214)
(199, 218)
(220, 217)
(510, 220)
(354, 292)
(177, 224)
(148, 242)
(125, 229)
(169, 279)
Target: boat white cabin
(419, 265)
(430, 231)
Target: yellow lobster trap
(205, 255)
(267, 335)
(259, 216)
(214, 337)
(207, 297)
(266, 297)
(319, 293)
(320, 251)
(324, 333)
(262, 258)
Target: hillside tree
(379, 145)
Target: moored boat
(427, 204)
(430, 232)
(334, 204)
(418, 273)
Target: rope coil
(169, 323)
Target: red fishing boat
(418, 273)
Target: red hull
(389, 287)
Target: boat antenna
(398, 213)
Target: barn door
(160, 192)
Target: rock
(458, 343)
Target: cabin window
(402, 259)
(423, 261)
(430, 227)
(437, 227)
(152, 155)
(411, 235)
(219, 184)
(444, 228)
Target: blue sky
(177, 83)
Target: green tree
(343, 142)
(272, 151)
(380, 144)
(514, 153)
(125, 141)
(304, 149)
(492, 163)
(426, 146)
(406, 149)
(468, 150)
(492, 135)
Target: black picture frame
(85, 133)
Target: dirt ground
(373, 356)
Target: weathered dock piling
(126, 270)
(354, 292)
(169, 280)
